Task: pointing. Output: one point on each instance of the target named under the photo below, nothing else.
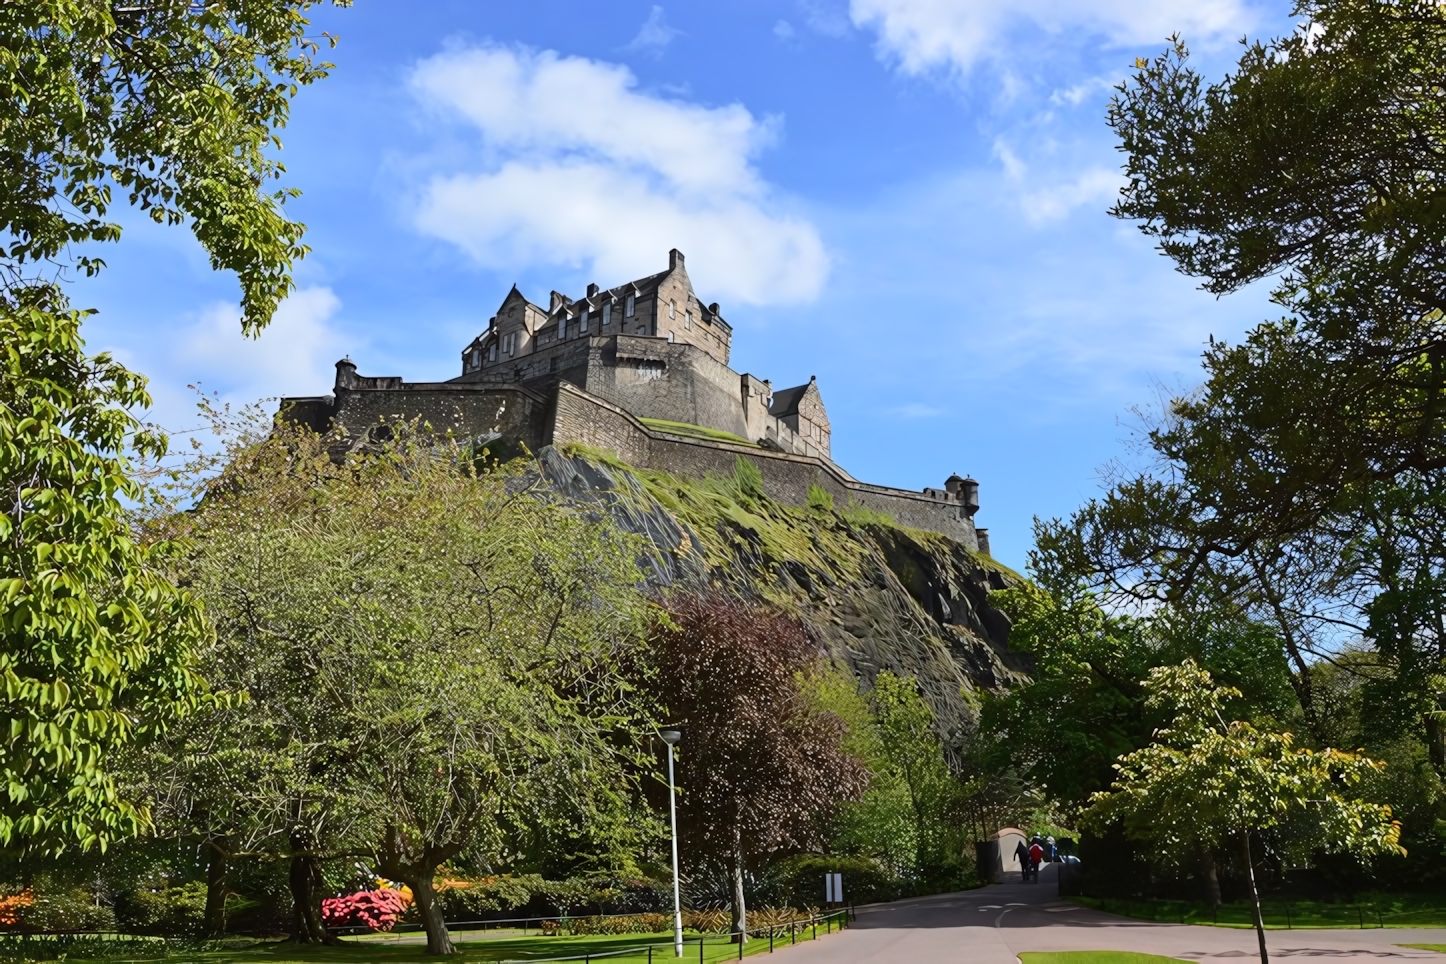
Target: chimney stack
(675, 258)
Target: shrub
(63, 909)
(164, 909)
(477, 899)
(819, 498)
(798, 881)
(376, 910)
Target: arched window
(688, 319)
(672, 309)
(628, 308)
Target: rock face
(877, 596)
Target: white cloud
(655, 33)
(293, 355)
(922, 36)
(579, 166)
(783, 30)
(1097, 186)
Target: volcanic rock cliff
(877, 595)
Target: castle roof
(785, 400)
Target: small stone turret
(346, 373)
(969, 495)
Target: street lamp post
(671, 737)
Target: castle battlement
(640, 369)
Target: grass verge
(1438, 948)
(389, 949)
(1376, 912)
(1093, 957)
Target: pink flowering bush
(377, 910)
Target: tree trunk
(1210, 876)
(216, 886)
(1254, 894)
(306, 882)
(740, 908)
(1436, 742)
(439, 941)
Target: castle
(642, 370)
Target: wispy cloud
(578, 165)
(655, 33)
(916, 410)
(955, 36)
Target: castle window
(492, 352)
(688, 319)
(562, 328)
(582, 322)
(672, 309)
(670, 337)
(607, 313)
(552, 364)
(628, 308)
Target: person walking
(1021, 853)
(1036, 854)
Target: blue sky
(905, 198)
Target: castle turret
(346, 373)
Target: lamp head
(670, 737)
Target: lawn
(1438, 948)
(1377, 911)
(396, 949)
(1093, 957)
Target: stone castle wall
(582, 417)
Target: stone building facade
(636, 369)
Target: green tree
(177, 106)
(95, 644)
(435, 663)
(912, 771)
(1319, 161)
(1204, 783)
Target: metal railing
(838, 919)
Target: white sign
(833, 888)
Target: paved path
(994, 924)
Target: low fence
(777, 934)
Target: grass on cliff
(694, 431)
(734, 520)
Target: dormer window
(607, 313)
(582, 322)
(628, 307)
(492, 352)
(688, 319)
(561, 327)
(672, 309)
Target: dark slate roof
(785, 400)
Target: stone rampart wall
(584, 418)
(514, 414)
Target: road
(993, 925)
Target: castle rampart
(583, 372)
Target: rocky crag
(877, 595)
